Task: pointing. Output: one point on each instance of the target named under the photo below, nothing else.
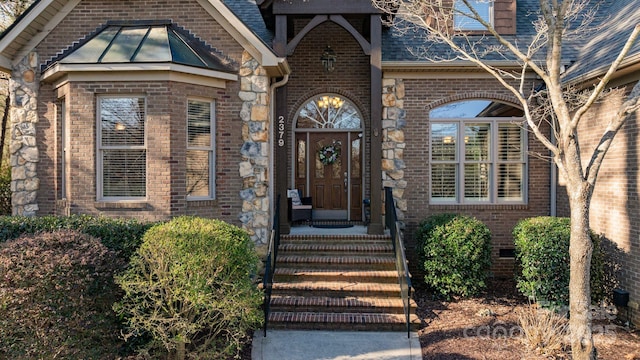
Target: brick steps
(334, 239)
(335, 248)
(336, 288)
(336, 262)
(329, 304)
(337, 282)
(293, 274)
(342, 321)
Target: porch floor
(310, 230)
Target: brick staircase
(346, 282)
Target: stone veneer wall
(393, 142)
(254, 167)
(23, 90)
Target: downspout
(553, 170)
(272, 94)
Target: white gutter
(272, 92)
(629, 64)
(454, 64)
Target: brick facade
(421, 95)
(615, 208)
(166, 152)
(166, 103)
(414, 92)
(166, 122)
(351, 77)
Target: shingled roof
(249, 13)
(401, 46)
(586, 56)
(592, 55)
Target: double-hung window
(478, 154)
(463, 16)
(122, 148)
(200, 149)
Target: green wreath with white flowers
(329, 154)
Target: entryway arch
(328, 156)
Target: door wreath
(329, 154)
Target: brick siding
(423, 94)
(166, 122)
(615, 208)
(351, 77)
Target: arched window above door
(328, 111)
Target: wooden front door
(333, 164)
(323, 124)
(329, 174)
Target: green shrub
(542, 258)
(426, 227)
(456, 253)
(56, 294)
(122, 235)
(5, 191)
(189, 286)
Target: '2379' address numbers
(280, 130)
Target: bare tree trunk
(580, 250)
(180, 350)
(5, 120)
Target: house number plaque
(281, 130)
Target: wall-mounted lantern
(328, 59)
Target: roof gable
(43, 16)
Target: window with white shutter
(122, 152)
(200, 150)
(477, 153)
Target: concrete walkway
(335, 345)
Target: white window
(478, 154)
(122, 150)
(463, 16)
(200, 149)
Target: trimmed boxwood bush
(56, 294)
(542, 259)
(122, 235)
(456, 253)
(189, 287)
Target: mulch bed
(487, 328)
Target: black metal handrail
(270, 264)
(404, 277)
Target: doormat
(332, 226)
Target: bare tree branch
(557, 104)
(630, 106)
(605, 79)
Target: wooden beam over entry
(323, 7)
(281, 121)
(319, 19)
(375, 226)
(338, 19)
